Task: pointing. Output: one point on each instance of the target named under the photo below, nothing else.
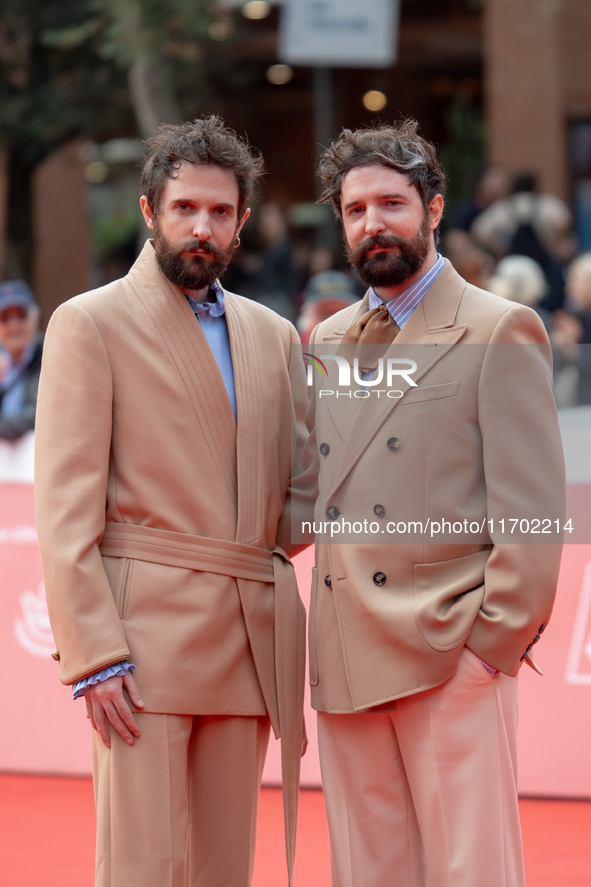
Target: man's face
(195, 225)
(388, 234)
(17, 327)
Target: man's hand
(105, 702)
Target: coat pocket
(430, 392)
(125, 588)
(119, 572)
(447, 598)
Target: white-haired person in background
(520, 279)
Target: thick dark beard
(192, 273)
(390, 268)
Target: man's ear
(147, 211)
(245, 215)
(435, 211)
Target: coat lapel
(342, 409)
(250, 441)
(425, 339)
(194, 360)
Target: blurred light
(443, 87)
(279, 74)
(256, 9)
(374, 100)
(96, 172)
(219, 30)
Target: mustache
(211, 249)
(379, 240)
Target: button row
(378, 578)
(529, 647)
(392, 443)
(332, 512)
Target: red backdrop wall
(46, 732)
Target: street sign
(339, 33)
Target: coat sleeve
(525, 488)
(72, 447)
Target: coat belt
(243, 562)
(184, 550)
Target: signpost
(339, 33)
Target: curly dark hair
(398, 146)
(205, 140)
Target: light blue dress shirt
(212, 318)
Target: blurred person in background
(21, 346)
(325, 294)
(472, 260)
(275, 282)
(492, 183)
(521, 279)
(571, 334)
(534, 224)
(274, 260)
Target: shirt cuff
(119, 669)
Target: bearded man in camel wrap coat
(168, 430)
(439, 527)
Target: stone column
(524, 92)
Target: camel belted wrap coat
(163, 521)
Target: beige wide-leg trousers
(179, 807)
(426, 795)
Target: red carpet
(47, 837)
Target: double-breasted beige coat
(464, 432)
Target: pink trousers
(425, 795)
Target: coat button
(529, 648)
(55, 656)
(392, 443)
(328, 581)
(332, 512)
(324, 449)
(379, 510)
(542, 628)
(379, 578)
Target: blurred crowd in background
(83, 83)
(520, 243)
(508, 237)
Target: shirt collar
(402, 306)
(213, 308)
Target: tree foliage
(85, 68)
(52, 93)
(154, 42)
